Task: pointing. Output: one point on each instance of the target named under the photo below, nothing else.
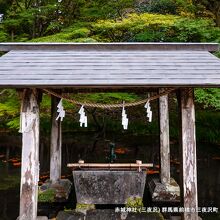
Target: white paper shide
(83, 117)
(124, 118)
(149, 112)
(60, 110)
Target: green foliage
(110, 21)
(28, 19)
(115, 9)
(32, 18)
(210, 7)
(107, 97)
(14, 123)
(75, 33)
(99, 9)
(3, 35)
(128, 28)
(143, 27)
(151, 36)
(4, 6)
(9, 109)
(159, 6)
(155, 28)
(79, 33)
(194, 30)
(85, 40)
(209, 98)
(217, 54)
(182, 30)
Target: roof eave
(211, 47)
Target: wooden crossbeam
(110, 165)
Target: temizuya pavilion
(61, 67)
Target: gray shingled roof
(48, 68)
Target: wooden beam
(30, 154)
(109, 165)
(164, 139)
(109, 46)
(189, 162)
(55, 142)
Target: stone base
(42, 218)
(38, 218)
(164, 193)
(61, 189)
(106, 214)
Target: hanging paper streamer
(83, 117)
(60, 110)
(149, 112)
(124, 118)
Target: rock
(164, 193)
(63, 215)
(106, 214)
(61, 190)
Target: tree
(158, 6)
(32, 18)
(114, 9)
(214, 7)
(5, 5)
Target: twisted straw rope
(108, 106)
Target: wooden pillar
(164, 139)
(189, 163)
(56, 141)
(30, 154)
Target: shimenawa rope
(108, 106)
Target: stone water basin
(108, 183)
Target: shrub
(3, 36)
(79, 33)
(193, 30)
(126, 29)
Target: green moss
(47, 195)
(67, 209)
(84, 207)
(134, 202)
